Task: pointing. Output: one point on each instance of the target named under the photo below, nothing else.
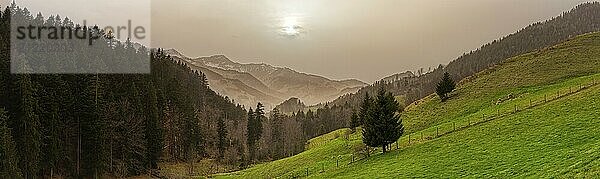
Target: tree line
(582, 19)
(93, 125)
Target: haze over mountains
(249, 84)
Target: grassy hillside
(318, 156)
(520, 77)
(556, 139)
(536, 115)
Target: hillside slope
(584, 18)
(535, 115)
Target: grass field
(536, 115)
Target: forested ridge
(126, 124)
(106, 124)
(92, 125)
(584, 18)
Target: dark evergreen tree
(90, 126)
(277, 138)
(383, 125)
(365, 108)
(154, 131)
(445, 86)
(255, 129)
(50, 100)
(27, 126)
(8, 155)
(250, 135)
(354, 120)
(223, 140)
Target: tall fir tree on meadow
(445, 86)
(382, 124)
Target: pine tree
(223, 142)
(354, 120)
(277, 150)
(365, 107)
(50, 103)
(8, 155)
(383, 125)
(90, 126)
(154, 131)
(391, 124)
(27, 126)
(254, 129)
(445, 86)
(250, 134)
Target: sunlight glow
(291, 26)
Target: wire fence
(336, 162)
(500, 112)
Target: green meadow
(535, 115)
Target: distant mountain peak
(174, 53)
(261, 82)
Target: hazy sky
(339, 39)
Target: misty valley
(205, 98)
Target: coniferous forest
(122, 125)
(93, 125)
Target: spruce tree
(365, 107)
(354, 120)
(223, 142)
(255, 129)
(27, 126)
(250, 134)
(50, 104)
(277, 139)
(445, 86)
(153, 130)
(90, 126)
(8, 156)
(382, 125)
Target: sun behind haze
(339, 39)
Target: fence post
(408, 138)
(529, 102)
(545, 98)
(306, 171)
(453, 126)
(437, 131)
(337, 161)
(421, 136)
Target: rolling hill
(534, 115)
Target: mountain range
(249, 84)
